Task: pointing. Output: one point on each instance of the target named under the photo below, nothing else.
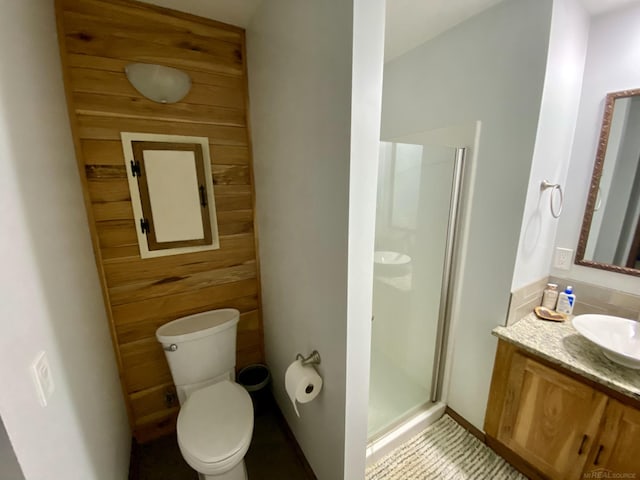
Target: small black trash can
(255, 379)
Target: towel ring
(553, 186)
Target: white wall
(50, 295)
(612, 63)
(556, 127)
(489, 68)
(315, 74)
(366, 111)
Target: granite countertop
(561, 344)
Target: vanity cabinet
(555, 425)
(548, 418)
(617, 449)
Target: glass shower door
(415, 189)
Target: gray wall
(315, 78)
(489, 68)
(9, 467)
(51, 298)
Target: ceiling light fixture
(158, 83)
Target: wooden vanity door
(617, 451)
(549, 418)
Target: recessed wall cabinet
(171, 190)
(556, 425)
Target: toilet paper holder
(312, 359)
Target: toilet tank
(200, 348)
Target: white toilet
(215, 422)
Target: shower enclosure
(417, 208)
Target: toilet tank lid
(197, 326)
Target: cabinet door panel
(173, 194)
(618, 450)
(549, 418)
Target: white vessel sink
(618, 337)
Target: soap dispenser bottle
(550, 296)
(566, 301)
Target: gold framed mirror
(610, 235)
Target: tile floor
(272, 455)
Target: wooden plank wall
(97, 39)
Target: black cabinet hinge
(144, 225)
(203, 195)
(135, 168)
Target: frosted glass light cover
(158, 83)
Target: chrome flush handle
(170, 348)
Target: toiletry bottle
(566, 300)
(550, 296)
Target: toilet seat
(215, 425)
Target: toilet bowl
(215, 422)
(214, 430)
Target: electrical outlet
(42, 378)
(562, 259)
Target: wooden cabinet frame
(133, 145)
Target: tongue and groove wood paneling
(98, 38)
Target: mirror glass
(610, 237)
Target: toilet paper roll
(302, 383)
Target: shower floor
(392, 394)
